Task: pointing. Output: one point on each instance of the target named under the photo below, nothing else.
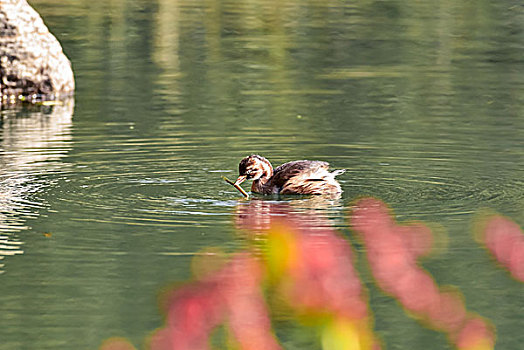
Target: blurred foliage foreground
(298, 265)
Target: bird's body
(296, 177)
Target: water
(106, 199)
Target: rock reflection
(32, 143)
(393, 251)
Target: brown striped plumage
(297, 177)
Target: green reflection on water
(421, 102)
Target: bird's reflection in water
(307, 213)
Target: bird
(296, 177)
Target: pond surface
(104, 200)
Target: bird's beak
(240, 179)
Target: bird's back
(304, 177)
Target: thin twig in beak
(240, 179)
(236, 184)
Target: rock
(33, 66)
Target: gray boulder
(33, 66)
